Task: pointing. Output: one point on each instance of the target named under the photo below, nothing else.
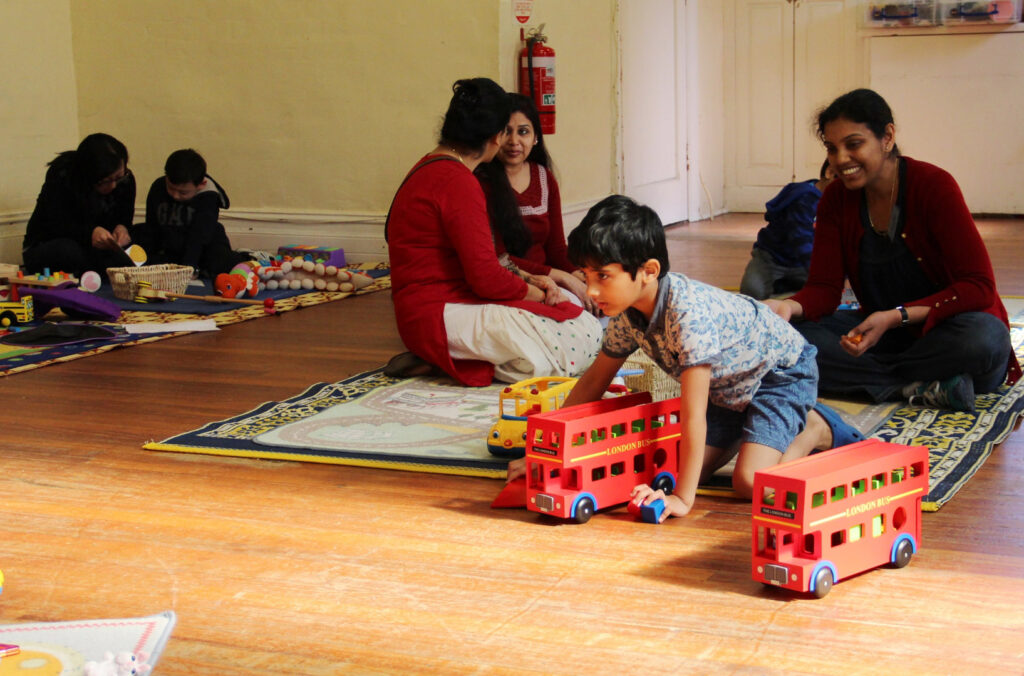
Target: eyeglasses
(116, 180)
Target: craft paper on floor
(64, 647)
(188, 325)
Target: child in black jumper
(181, 225)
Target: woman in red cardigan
(931, 327)
(457, 308)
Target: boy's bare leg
(752, 457)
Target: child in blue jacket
(782, 252)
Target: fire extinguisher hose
(529, 65)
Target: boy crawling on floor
(748, 379)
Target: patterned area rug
(420, 424)
(434, 425)
(15, 359)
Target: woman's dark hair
(502, 207)
(507, 224)
(97, 156)
(479, 109)
(863, 106)
(185, 166)
(618, 230)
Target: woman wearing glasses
(84, 210)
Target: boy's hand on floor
(674, 505)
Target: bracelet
(904, 315)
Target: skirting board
(360, 235)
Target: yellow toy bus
(507, 438)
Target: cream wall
(585, 144)
(38, 107)
(310, 113)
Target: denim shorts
(776, 414)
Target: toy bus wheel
(823, 582)
(663, 484)
(584, 510)
(7, 319)
(904, 550)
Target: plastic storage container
(992, 11)
(910, 13)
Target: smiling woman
(931, 327)
(525, 204)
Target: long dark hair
(507, 224)
(502, 207)
(479, 109)
(97, 156)
(863, 106)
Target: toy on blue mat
(327, 255)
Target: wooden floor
(292, 568)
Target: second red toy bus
(826, 517)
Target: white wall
(957, 101)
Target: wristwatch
(904, 315)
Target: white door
(653, 105)
(792, 58)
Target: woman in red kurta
(931, 326)
(457, 308)
(525, 203)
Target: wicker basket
(168, 277)
(660, 384)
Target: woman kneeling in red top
(457, 307)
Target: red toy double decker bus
(584, 458)
(829, 516)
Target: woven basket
(660, 384)
(168, 277)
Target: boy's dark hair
(185, 166)
(618, 230)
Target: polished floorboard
(297, 568)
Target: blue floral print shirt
(695, 324)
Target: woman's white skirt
(519, 343)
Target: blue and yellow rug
(15, 359)
(434, 425)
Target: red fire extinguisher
(537, 76)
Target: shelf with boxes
(931, 13)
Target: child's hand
(516, 469)
(674, 505)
